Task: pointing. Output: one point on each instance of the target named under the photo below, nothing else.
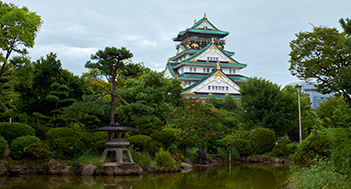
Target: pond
(222, 176)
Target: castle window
(230, 71)
(213, 88)
(194, 69)
(216, 88)
(208, 70)
(226, 88)
(204, 70)
(191, 69)
(209, 87)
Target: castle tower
(202, 64)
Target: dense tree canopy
(323, 54)
(110, 63)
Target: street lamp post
(298, 87)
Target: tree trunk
(113, 97)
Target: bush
(3, 145)
(282, 148)
(11, 131)
(342, 158)
(59, 132)
(317, 143)
(164, 158)
(40, 130)
(37, 151)
(67, 147)
(262, 140)
(19, 144)
(92, 138)
(166, 137)
(243, 147)
(139, 142)
(142, 158)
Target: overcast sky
(260, 31)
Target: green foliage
(282, 148)
(40, 130)
(144, 143)
(265, 105)
(326, 109)
(37, 151)
(18, 145)
(164, 158)
(318, 143)
(18, 30)
(59, 132)
(165, 137)
(147, 96)
(139, 142)
(11, 131)
(142, 158)
(239, 146)
(3, 145)
(91, 139)
(197, 121)
(315, 54)
(341, 157)
(110, 62)
(321, 174)
(68, 147)
(262, 140)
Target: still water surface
(224, 176)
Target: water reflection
(226, 176)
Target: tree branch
(124, 101)
(101, 96)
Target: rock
(31, 170)
(67, 171)
(3, 169)
(18, 170)
(128, 169)
(104, 170)
(147, 169)
(201, 157)
(267, 160)
(187, 160)
(43, 169)
(54, 167)
(53, 164)
(88, 170)
(185, 166)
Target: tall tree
(111, 63)
(323, 54)
(18, 29)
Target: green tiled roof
(193, 29)
(208, 46)
(205, 96)
(206, 77)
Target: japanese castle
(202, 64)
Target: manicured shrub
(282, 149)
(166, 138)
(139, 142)
(11, 131)
(3, 145)
(243, 147)
(92, 138)
(59, 132)
(40, 130)
(164, 158)
(19, 144)
(262, 140)
(67, 147)
(37, 151)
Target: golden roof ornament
(205, 15)
(212, 40)
(167, 61)
(218, 67)
(194, 21)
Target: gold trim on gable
(218, 74)
(193, 60)
(190, 92)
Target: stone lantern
(117, 143)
